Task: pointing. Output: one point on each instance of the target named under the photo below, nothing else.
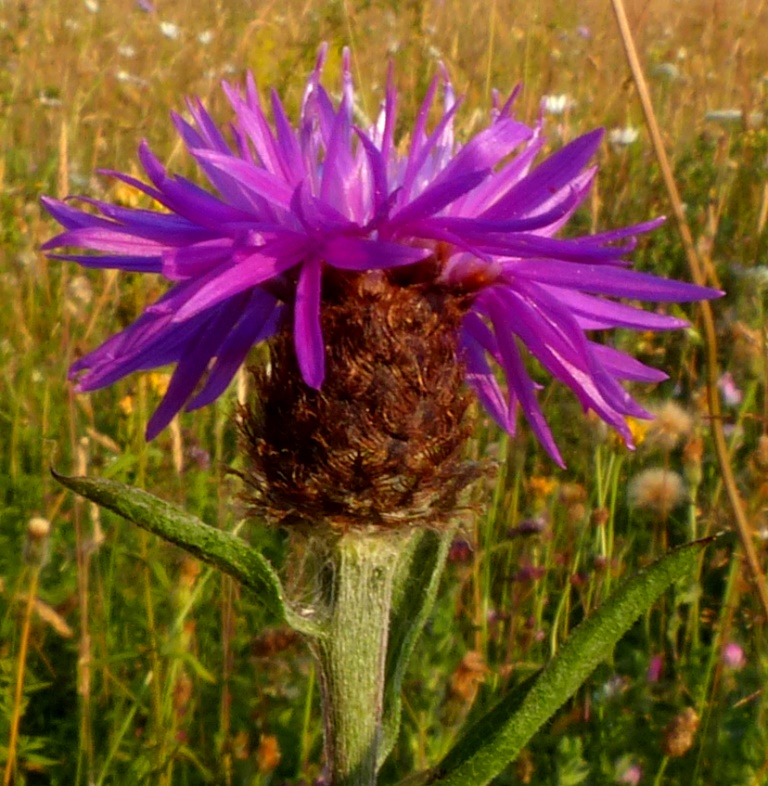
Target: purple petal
(594, 313)
(151, 341)
(607, 280)
(308, 335)
(564, 365)
(259, 181)
(535, 246)
(228, 186)
(478, 227)
(317, 119)
(211, 135)
(518, 379)
(613, 235)
(184, 197)
(481, 378)
(554, 337)
(194, 363)
(503, 180)
(419, 154)
(129, 264)
(71, 218)
(437, 197)
(165, 228)
(549, 177)
(378, 167)
(288, 144)
(352, 253)
(337, 182)
(386, 123)
(254, 125)
(260, 320)
(134, 182)
(623, 366)
(114, 240)
(316, 216)
(197, 259)
(220, 285)
(487, 148)
(418, 138)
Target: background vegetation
(144, 667)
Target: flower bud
(37, 543)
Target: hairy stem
(357, 583)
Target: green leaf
(413, 596)
(223, 550)
(497, 738)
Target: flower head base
(295, 208)
(381, 443)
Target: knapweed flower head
(294, 214)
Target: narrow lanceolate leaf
(413, 596)
(223, 550)
(497, 738)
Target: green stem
(352, 655)
(660, 774)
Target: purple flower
(632, 775)
(288, 203)
(655, 669)
(733, 656)
(732, 393)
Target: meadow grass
(123, 661)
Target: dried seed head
(679, 733)
(38, 528)
(463, 687)
(573, 497)
(658, 490)
(273, 641)
(268, 754)
(524, 767)
(468, 674)
(189, 572)
(381, 443)
(37, 543)
(671, 424)
(759, 458)
(183, 691)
